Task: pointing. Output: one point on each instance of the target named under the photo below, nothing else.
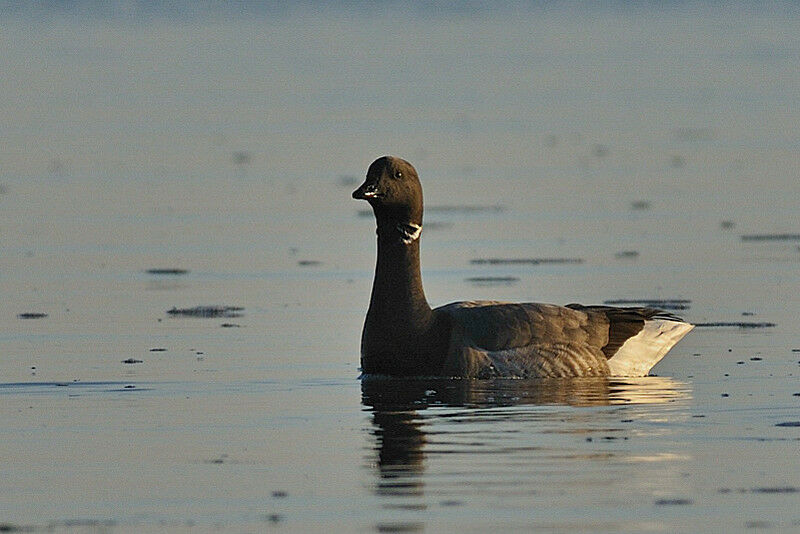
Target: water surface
(155, 161)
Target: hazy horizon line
(144, 11)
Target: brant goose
(403, 336)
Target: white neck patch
(410, 232)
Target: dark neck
(397, 295)
(402, 335)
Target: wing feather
(500, 326)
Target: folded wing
(537, 340)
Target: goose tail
(641, 352)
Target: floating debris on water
(168, 271)
(780, 489)
(466, 209)
(676, 161)
(519, 261)
(600, 151)
(661, 302)
(789, 423)
(131, 360)
(308, 263)
(241, 157)
(758, 524)
(230, 325)
(627, 254)
(399, 527)
(83, 525)
(158, 349)
(640, 204)
(694, 134)
(727, 225)
(437, 225)
(11, 527)
(208, 311)
(492, 280)
(31, 315)
(279, 494)
(734, 325)
(664, 304)
(771, 237)
(347, 180)
(673, 502)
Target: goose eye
(398, 174)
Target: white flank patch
(641, 352)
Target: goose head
(393, 190)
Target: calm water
(643, 142)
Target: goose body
(404, 336)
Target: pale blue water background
(120, 129)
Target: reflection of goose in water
(403, 336)
(404, 410)
(404, 394)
